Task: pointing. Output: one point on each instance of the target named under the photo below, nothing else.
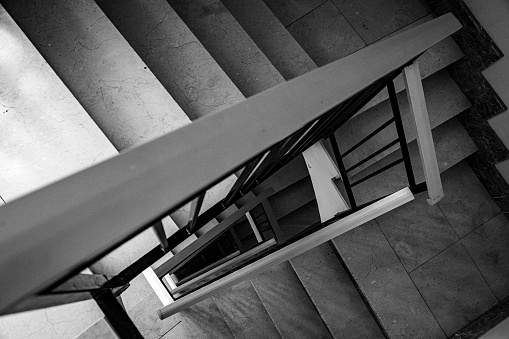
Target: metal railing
(51, 235)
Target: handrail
(60, 229)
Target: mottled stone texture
(46, 135)
(326, 35)
(452, 145)
(385, 283)
(271, 37)
(229, 44)
(100, 68)
(453, 288)
(289, 11)
(244, 312)
(443, 99)
(174, 55)
(334, 295)
(375, 19)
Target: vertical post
(322, 171)
(272, 220)
(342, 171)
(254, 228)
(401, 133)
(415, 94)
(116, 316)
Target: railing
(49, 236)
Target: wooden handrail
(58, 230)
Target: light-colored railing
(54, 232)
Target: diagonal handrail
(63, 227)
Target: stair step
(433, 60)
(503, 168)
(292, 197)
(271, 37)
(229, 45)
(443, 98)
(334, 295)
(452, 145)
(288, 304)
(299, 220)
(46, 136)
(174, 55)
(385, 283)
(100, 68)
(244, 312)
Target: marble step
(46, 136)
(452, 145)
(443, 98)
(271, 37)
(245, 313)
(411, 260)
(229, 45)
(288, 303)
(503, 168)
(334, 295)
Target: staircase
(131, 71)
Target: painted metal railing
(51, 235)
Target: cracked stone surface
(174, 55)
(376, 268)
(46, 135)
(453, 288)
(374, 20)
(100, 68)
(326, 35)
(271, 37)
(229, 45)
(288, 11)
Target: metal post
(342, 171)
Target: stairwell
(418, 271)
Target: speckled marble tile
(144, 316)
(229, 45)
(66, 321)
(417, 231)
(203, 320)
(434, 59)
(331, 290)
(100, 68)
(487, 245)
(466, 204)
(271, 37)
(244, 312)
(385, 283)
(288, 11)
(300, 219)
(326, 35)
(287, 303)
(100, 329)
(46, 135)
(375, 19)
(452, 145)
(174, 55)
(453, 288)
(443, 99)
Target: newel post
(419, 112)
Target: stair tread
(244, 312)
(229, 45)
(334, 295)
(271, 37)
(101, 70)
(452, 145)
(288, 304)
(443, 98)
(300, 219)
(292, 197)
(179, 61)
